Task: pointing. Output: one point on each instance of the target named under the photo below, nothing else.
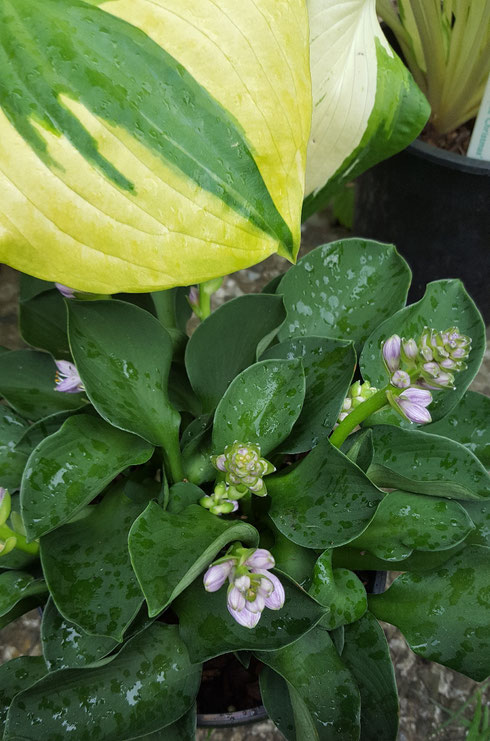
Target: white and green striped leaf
(366, 106)
(150, 144)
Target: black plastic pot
(435, 207)
(243, 717)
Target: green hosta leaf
(163, 154)
(296, 561)
(19, 593)
(405, 522)
(68, 469)
(443, 614)
(367, 656)
(148, 685)
(359, 448)
(123, 355)
(42, 321)
(426, 464)
(344, 289)
(324, 501)
(181, 495)
(27, 382)
(183, 729)
(66, 645)
(43, 428)
(362, 560)
(30, 287)
(102, 601)
(17, 675)
(329, 702)
(12, 460)
(480, 516)
(340, 591)
(329, 367)
(366, 106)
(225, 343)
(467, 423)
(209, 630)
(168, 551)
(444, 304)
(261, 405)
(274, 691)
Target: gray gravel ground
(424, 688)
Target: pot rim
(451, 160)
(238, 718)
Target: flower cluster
(218, 502)
(416, 366)
(67, 378)
(357, 394)
(252, 587)
(243, 468)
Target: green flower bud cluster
(357, 394)
(219, 502)
(243, 469)
(12, 538)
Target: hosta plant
(169, 499)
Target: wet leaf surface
(17, 675)
(340, 590)
(467, 424)
(12, 461)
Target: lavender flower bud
(391, 353)
(65, 290)
(275, 600)
(409, 350)
(400, 379)
(216, 575)
(411, 404)
(235, 599)
(261, 559)
(245, 617)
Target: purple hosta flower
(67, 378)
(243, 468)
(433, 377)
(252, 587)
(391, 353)
(400, 379)
(65, 290)
(409, 352)
(412, 404)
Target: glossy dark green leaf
(468, 424)
(68, 469)
(181, 495)
(323, 501)
(42, 323)
(36, 433)
(30, 287)
(344, 289)
(480, 517)
(197, 447)
(444, 304)
(359, 449)
(367, 656)
(66, 645)
(261, 405)
(88, 570)
(12, 460)
(329, 367)
(180, 392)
(148, 685)
(123, 355)
(19, 593)
(17, 675)
(326, 688)
(27, 382)
(275, 698)
(183, 729)
(340, 590)
(443, 613)
(426, 464)
(406, 522)
(168, 551)
(224, 344)
(296, 561)
(209, 630)
(362, 560)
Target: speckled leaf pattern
(27, 382)
(183, 729)
(148, 685)
(449, 469)
(367, 655)
(17, 675)
(168, 551)
(225, 343)
(406, 522)
(42, 322)
(66, 645)
(443, 613)
(19, 593)
(208, 629)
(323, 501)
(181, 495)
(467, 423)
(359, 560)
(344, 289)
(123, 355)
(43, 428)
(105, 599)
(69, 468)
(340, 590)
(329, 367)
(359, 448)
(480, 516)
(314, 669)
(445, 304)
(274, 691)
(12, 461)
(261, 405)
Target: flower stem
(359, 414)
(206, 290)
(172, 457)
(22, 544)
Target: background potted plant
(445, 46)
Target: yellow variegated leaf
(151, 143)
(366, 105)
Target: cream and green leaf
(366, 106)
(151, 143)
